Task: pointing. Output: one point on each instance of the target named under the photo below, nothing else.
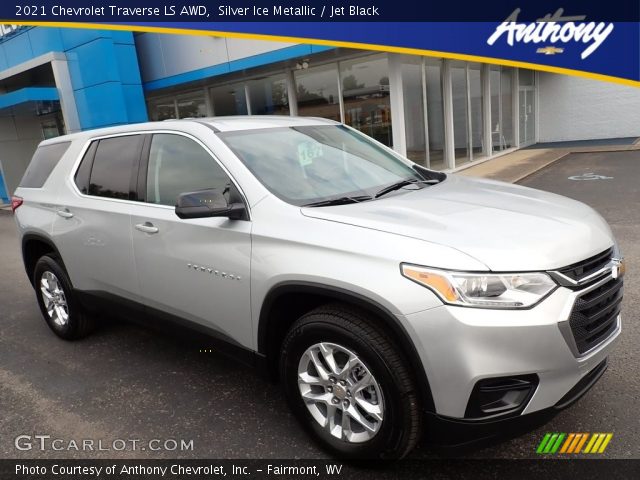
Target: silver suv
(389, 300)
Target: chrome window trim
(88, 142)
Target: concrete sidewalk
(518, 165)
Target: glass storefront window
(425, 143)
(192, 107)
(52, 127)
(413, 96)
(435, 113)
(475, 102)
(162, 109)
(526, 77)
(365, 91)
(506, 105)
(460, 114)
(317, 92)
(268, 96)
(229, 100)
(501, 108)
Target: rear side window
(112, 173)
(42, 164)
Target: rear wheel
(58, 304)
(348, 384)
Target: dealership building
(445, 114)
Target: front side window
(310, 164)
(177, 165)
(113, 165)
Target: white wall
(574, 108)
(162, 55)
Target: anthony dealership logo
(552, 29)
(574, 443)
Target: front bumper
(454, 432)
(461, 346)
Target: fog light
(500, 396)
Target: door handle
(147, 227)
(65, 213)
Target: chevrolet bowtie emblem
(550, 50)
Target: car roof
(251, 122)
(220, 124)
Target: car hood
(506, 227)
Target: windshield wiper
(339, 201)
(403, 183)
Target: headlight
(483, 290)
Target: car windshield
(319, 163)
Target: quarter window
(178, 164)
(44, 161)
(112, 172)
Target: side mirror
(208, 203)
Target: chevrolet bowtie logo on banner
(550, 50)
(574, 443)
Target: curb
(540, 167)
(560, 154)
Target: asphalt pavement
(125, 382)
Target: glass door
(527, 116)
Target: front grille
(583, 269)
(594, 315)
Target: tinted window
(84, 170)
(178, 165)
(42, 164)
(113, 167)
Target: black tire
(354, 329)
(78, 324)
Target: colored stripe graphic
(567, 443)
(583, 439)
(592, 440)
(606, 441)
(543, 443)
(556, 446)
(550, 443)
(573, 443)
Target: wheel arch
(34, 246)
(304, 297)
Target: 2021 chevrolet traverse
(386, 297)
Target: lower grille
(594, 315)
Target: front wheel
(348, 384)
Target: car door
(193, 269)
(92, 227)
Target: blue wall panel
(45, 40)
(3, 59)
(101, 105)
(18, 49)
(74, 37)
(133, 98)
(93, 63)
(103, 65)
(127, 63)
(4, 198)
